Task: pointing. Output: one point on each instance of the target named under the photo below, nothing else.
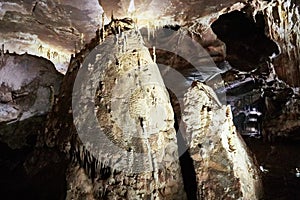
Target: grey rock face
(28, 85)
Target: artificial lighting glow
(31, 44)
(148, 15)
(131, 7)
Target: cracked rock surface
(223, 165)
(28, 86)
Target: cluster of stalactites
(94, 168)
(283, 27)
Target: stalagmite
(130, 133)
(224, 168)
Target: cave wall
(282, 19)
(58, 144)
(28, 86)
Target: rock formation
(282, 27)
(110, 130)
(134, 112)
(124, 92)
(224, 168)
(29, 85)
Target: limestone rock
(127, 148)
(28, 85)
(282, 17)
(53, 29)
(224, 167)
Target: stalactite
(154, 54)
(283, 27)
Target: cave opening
(247, 45)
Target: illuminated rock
(282, 27)
(223, 165)
(28, 85)
(130, 149)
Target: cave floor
(279, 161)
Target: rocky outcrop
(223, 165)
(282, 18)
(28, 85)
(134, 112)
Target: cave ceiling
(57, 28)
(44, 27)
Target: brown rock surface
(223, 165)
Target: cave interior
(249, 54)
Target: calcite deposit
(224, 168)
(134, 111)
(142, 111)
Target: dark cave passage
(246, 43)
(248, 48)
(185, 160)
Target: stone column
(224, 168)
(136, 157)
